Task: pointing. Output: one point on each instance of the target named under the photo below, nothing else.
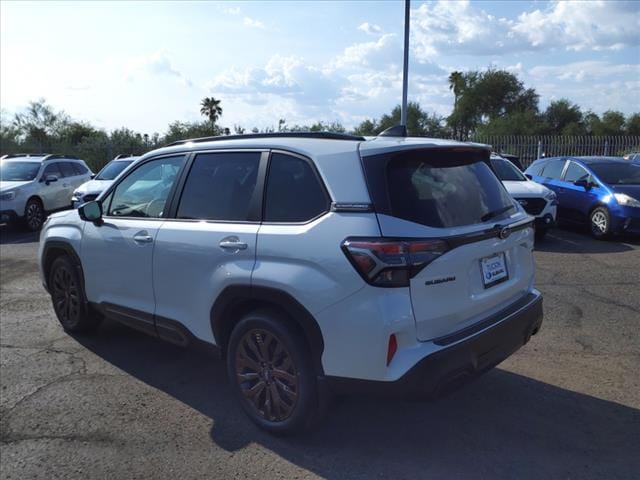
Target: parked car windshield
(112, 169)
(617, 173)
(505, 170)
(18, 171)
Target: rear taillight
(391, 262)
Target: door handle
(143, 237)
(232, 243)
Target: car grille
(532, 206)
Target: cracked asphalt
(119, 404)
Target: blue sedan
(603, 192)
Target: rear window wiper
(495, 213)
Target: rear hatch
(484, 240)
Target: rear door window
(536, 169)
(67, 169)
(294, 192)
(220, 186)
(438, 189)
(553, 169)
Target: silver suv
(33, 185)
(314, 263)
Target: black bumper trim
(455, 365)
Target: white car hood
(525, 189)
(94, 186)
(4, 186)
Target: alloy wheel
(267, 376)
(599, 223)
(34, 216)
(66, 296)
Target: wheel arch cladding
(236, 301)
(54, 249)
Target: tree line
(491, 102)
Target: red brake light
(393, 262)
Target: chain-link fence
(530, 148)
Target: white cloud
(370, 28)
(232, 10)
(379, 54)
(581, 25)
(252, 23)
(285, 76)
(584, 71)
(456, 27)
(459, 27)
(156, 64)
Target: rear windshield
(507, 171)
(438, 188)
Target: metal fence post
(606, 148)
(539, 149)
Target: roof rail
(18, 155)
(55, 156)
(319, 135)
(123, 155)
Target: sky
(146, 64)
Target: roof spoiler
(395, 131)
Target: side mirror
(583, 183)
(50, 178)
(90, 212)
(529, 176)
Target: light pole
(405, 66)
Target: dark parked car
(603, 192)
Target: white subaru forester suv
(31, 185)
(315, 263)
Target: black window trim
(186, 157)
(255, 210)
(323, 187)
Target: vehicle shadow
(575, 239)
(502, 426)
(11, 234)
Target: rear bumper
(465, 355)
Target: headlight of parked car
(76, 196)
(8, 195)
(626, 201)
(551, 197)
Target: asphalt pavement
(118, 404)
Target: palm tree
(210, 107)
(456, 84)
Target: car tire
(271, 373)
(600, 223)
(67, 296)
(34, 215)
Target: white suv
(104, 178)
(32, 185)
(315, 263)
(536, 199)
